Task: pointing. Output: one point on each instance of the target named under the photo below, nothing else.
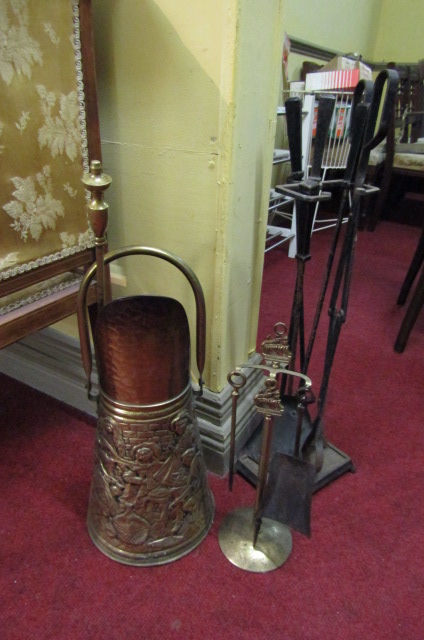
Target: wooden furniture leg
(414, 267)
(411, 316)
(417, 301)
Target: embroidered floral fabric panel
(43, 149)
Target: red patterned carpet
(359, 576)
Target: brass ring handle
(280, 329)
(236, 379)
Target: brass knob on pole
(97, 182)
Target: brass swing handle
(83, 317)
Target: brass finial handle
(83, 317)
(97, 182)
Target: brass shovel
(287, 496)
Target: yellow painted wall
(381, 30)
(243, 203)
(160, 109)
(187, 99)
(400, 31)
(187, 96)
(343, 26)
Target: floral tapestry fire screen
(43, 138)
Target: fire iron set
(150, 502)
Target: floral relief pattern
(70, 240)
(31, 211)
(61, 132)
(23, 121)
(69, 190)
(8, 261)
(18, 51)
(51, 33)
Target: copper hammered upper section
(142, 349)
(150, 502)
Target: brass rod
(235, 395)
(237, 380)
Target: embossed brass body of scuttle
(150, 502)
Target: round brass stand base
(235, 537)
